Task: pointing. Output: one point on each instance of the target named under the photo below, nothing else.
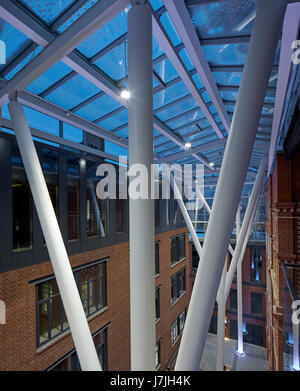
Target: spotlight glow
(125, 94)
(188, 145)
(211, 164)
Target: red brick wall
(168, 312)
(284, 196)
(18, 336)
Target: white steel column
(246, 226)
(141, 211)
(96, 207)
(206, 206)
(236, 160)
(239, 282)
(221, 321)
(64, 276)
(186, 216)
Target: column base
(243, 354)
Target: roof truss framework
(28, 24)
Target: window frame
(48, 299)
(176, 286)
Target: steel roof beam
(181, 19)
(167, 46)
(61, 46)
(290, 33)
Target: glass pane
(84, 296)
(55, 73)
(223, 18)
(53, 287)
(101, 296)
(45, 10)
(55, 316)
(92, 296)
(22, 210)
(106, 35)
(73, 199)
(73, 92)
(15, 42)
(120, 215)
(43, 322)
(43, 291)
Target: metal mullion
(108, 115)
(58, 84)
(17, 60)
(167, 106)
(87, 101)
(49, 312)
(66, 14)
(117, 42)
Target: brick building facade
(254, 303)
(282, 195)
(36, 335)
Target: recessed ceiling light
(211, 164)
(125, 94)
(188, 145)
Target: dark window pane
(97, 210)
(120, 215)
(22, 210)
(49, 162)
(157, 304)
(233, 300)
(43, 322)
(43, 291)
(157, 258)
(177, 248)
(92, 284)
(256, 304)
(157, 212)
(73, 199)
(256, 265)
(178, 285)
(55, 316)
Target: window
(156, 258)
(177, 326)
(157, 354)
(256, 265)
(178, 285)
(51, 317)
(21, 204)
(233, 329)
(120, 215)
(157, 212)
(174, 333)
(91, 282)
(157, 303)
(254, 335)
(233, 300)
(256, 304)
(49, 162)
(97, 210)
(73, 198)
(177, 248)
(71, 363)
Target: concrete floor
(254, 360)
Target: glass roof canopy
(224, 29)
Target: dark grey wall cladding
(10, 260)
